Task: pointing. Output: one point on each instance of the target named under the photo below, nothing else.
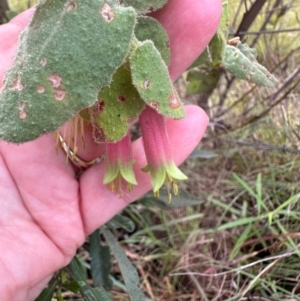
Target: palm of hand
(45, 212)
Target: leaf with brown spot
(153, 81)
(71, 62)
(121, 104)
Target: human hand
(45, 212)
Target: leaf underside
(60, 66)
(118, 106)
(241, 62)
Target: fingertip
(185, 134)
(191, 25)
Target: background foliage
(239, 237)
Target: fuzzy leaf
(151, 78)
(118, 106)
(144, 6)
(148, 28)
(68, 52)
(241, 62)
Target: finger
(190, 25)
(98, 204)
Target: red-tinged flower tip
(119, 165)
(158, 152)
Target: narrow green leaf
(128, 271)
(241, 222)
(223, 27)
(121, 222)
(282, 206)
(148, 28)
(151, 78)
(73, 286)
(76, 270)
(101, 262)
(245, 185)
(56, 73)
(94, 294)
(259, 200)
(203, 154)
(241, 239)
(47, 293)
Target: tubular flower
(119, 165)
(158, 152)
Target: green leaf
(148, 28)
(73, 286)
(121, 222)
(203, 154)
(128, 271)
(66, 55)
(76, 270)
(151, 78)
(143, 6)
(202, 81)
(94, 294)
(241, 62)
(240, 222)
(101, 262)
(219, 40)
(118, 106)
(47, 293)
(183, 199)
(223, 27)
